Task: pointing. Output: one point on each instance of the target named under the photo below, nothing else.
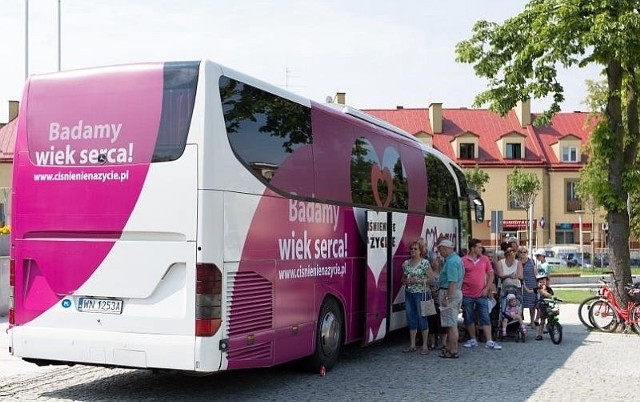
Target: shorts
(449, 314)
(473, 304)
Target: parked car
(601, 260)
(552, 260)
(581, 261)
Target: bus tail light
(12, 284)
(208, 299)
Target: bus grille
(250, 303)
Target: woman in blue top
(415, 277)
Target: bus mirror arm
(478, 205)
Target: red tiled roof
(489, 127)
(563, 124)
(410, 120)
(8, 141)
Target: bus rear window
(179, 93)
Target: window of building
(564, 237)
(467, 151)
(513, 204)
(569, 154)
(572, 202)
(514, 151)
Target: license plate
(95, 305)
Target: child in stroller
(511, 314)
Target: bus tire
(329, 337)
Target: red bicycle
(607, 312)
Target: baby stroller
(514, 329)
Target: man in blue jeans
(478, 277)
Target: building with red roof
(497, 144)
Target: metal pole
(580, 212)
(59, 36)
(593, 240)
(581, 242)
(530, 228)
(26, 39)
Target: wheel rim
(583, 311)
(330, 334)
(603, 315)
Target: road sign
(496, 221)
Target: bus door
(381, 245)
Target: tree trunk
(618, 217)
(619, 246)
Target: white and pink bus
(185, 216)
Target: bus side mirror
(479, 209)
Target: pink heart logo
(380, 177)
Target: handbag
(427, 306)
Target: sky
(381, 53)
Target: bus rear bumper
(117, 349)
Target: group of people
(471, 283)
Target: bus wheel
(329, 337)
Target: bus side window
(440, 187)
(268, 134)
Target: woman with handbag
(415, 277)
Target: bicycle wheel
(550, 329)
(635, 318)
(604, 316)
(555, 333)
(583, 311)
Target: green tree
(523, 189)
(521, 58)
(476, 179)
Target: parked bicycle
(607, 313)
(585, 306)
(553, 322)
(583, 310)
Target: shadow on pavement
(379, 372)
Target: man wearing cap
(478, 278)
(450, 295)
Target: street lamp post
(593, 240)
(580, 212)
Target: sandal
(409, 350)
(539, 338)
(448, 355)
(424, 351)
